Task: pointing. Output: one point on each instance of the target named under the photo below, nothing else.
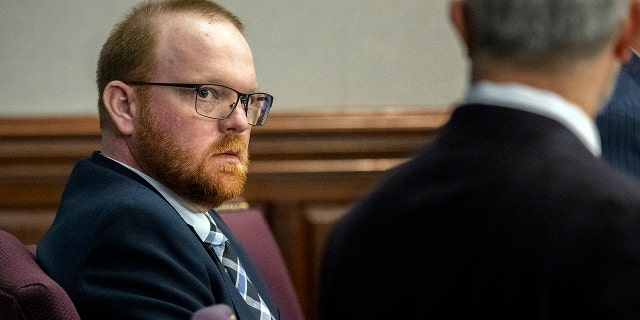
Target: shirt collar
(194, 215)
(542, 102)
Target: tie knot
(215, 237)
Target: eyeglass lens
(218, 102)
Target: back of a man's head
(532, 33)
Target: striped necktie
(226, 253)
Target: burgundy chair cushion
(26, 292)
(253, 231)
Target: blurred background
(311, 55)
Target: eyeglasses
(218, 102)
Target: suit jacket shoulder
(116, 240)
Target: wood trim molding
(392, 119)
(34, 126)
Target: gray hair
(542, 32)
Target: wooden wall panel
(306, 170)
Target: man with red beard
(135, 236)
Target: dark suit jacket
(122, 251)
(506, 215)
(619, 121)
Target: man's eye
(205, 93)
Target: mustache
(233, 143)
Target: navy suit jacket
(121, 251)
(619, 121)
(505, 215)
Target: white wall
(331, 53)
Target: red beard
(197, 179)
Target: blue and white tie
(225, 252)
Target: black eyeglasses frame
(242, 97)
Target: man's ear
(459, 19)
(629, 34)
(118, 99)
